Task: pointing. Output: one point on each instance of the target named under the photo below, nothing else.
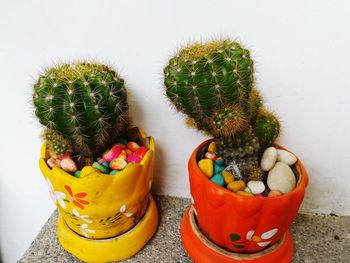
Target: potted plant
(99, 171)
(246, 189)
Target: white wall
(302, 58)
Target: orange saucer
(202, 250)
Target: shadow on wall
(158, 174)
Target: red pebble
(112, 153)
(134, 159)
(140, 152)
(128, 152)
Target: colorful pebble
(118, 164)
(100, 167)
(128, 152)
(236, 186)
(141, 151)
(212, 147)
(101, 160)
(218, 168)
(218, 179)
(274, 193)
(210, 156)
(132, 146)
(247, 190)
(123, 155)
(114, 172)
(134, 159)
(53, 162)
(68, 165)
(243, 193)
(112, 153)
(228, 177)
(77, 174)
(106, 164)
(219, 161)
(207, 167)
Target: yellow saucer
(111, 249)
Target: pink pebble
(101, 161)
(112, 153)
(134, 159)
(68, 164)
(53, 162)
(210, 156)
(132, 146)
(140, 152)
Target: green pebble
(219, 162)
(218, 168)
(114, 172)
(106, 164)
(218, 179)
(100, 167)
(77, 174)
(121, 140)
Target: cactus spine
(213, 84)
(84, 103)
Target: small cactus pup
(213, 84)
(83, 107)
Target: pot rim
(300, 187)
(151, 150)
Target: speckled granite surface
(316, 238)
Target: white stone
(286, 157)
(281, 178)
(256, 187)
(268, 159)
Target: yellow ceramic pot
(100, 206)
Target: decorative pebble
(268, 159)
(206, 166)
(218, 179)
(134, 159)
(247, 190)
(218, 168)
(228, 177)
(132, 146)
(88, 170)
(121, 140)
(100, 167)
(114, 172)
(68, 165)
(244, 193)
(219, 161)
(112, 153)
(236, 186)
(123, 155)
(53, 162)
(210, 156)
(117, 164)
(128, 152)
(256, 187)
(286, 157)
(77, 174)
(141, 151)
(212, 147)
(101, 160)
(106, 164)
(281, 178)
(274, 193)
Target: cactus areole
(213, 84)
(82, 105)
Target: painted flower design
(123, 210)
(55, 195)
(77, 199)
(84, 229)
(261, 241)
(82, 217)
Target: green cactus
(86, 103)
(56, 144)
(213, 84)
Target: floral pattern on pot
(85, 230)
(81, 217)
(77, 198)
(55, 195)
(261, 241)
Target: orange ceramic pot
(242, 223)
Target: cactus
(213, 84)
(84, 103)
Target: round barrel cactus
(86, 103)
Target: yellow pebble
(88, 170)
(228, 177)
(244, 193)
(236, 186)
(212, 147)
(206, 166)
